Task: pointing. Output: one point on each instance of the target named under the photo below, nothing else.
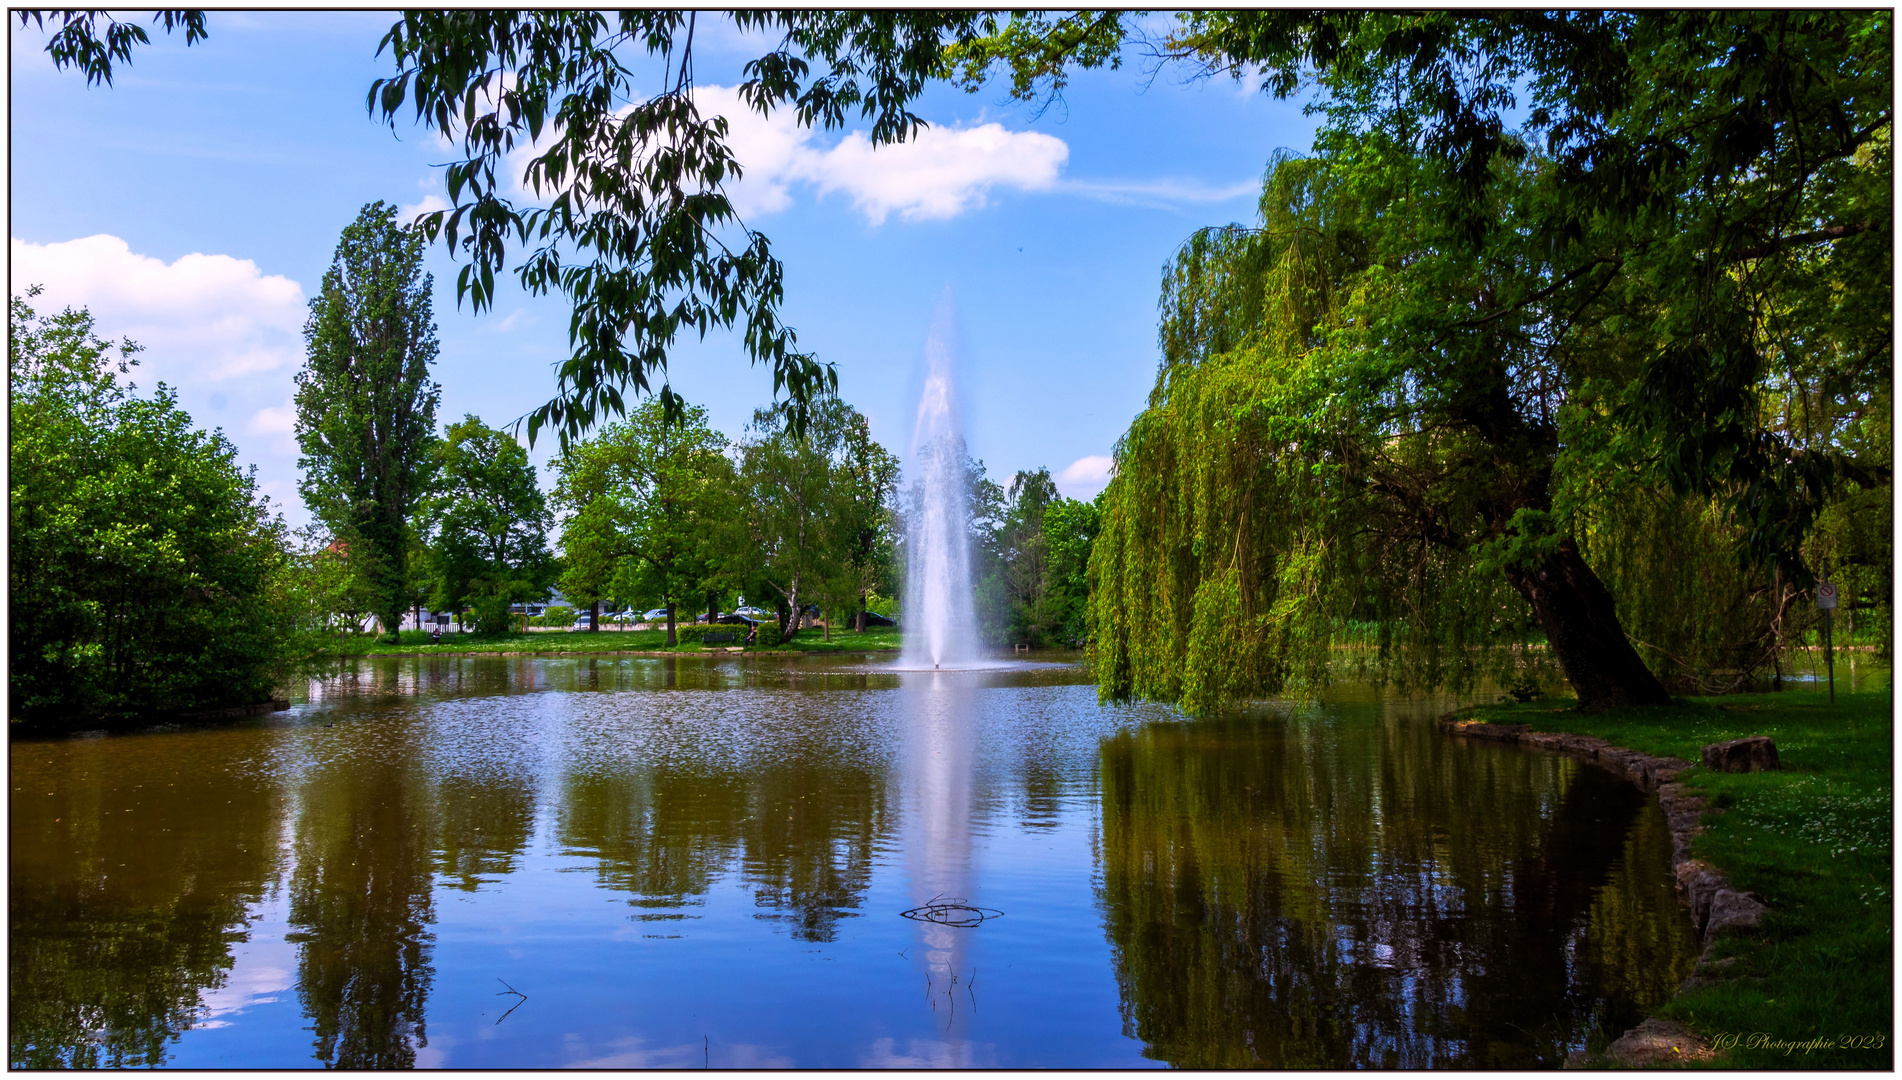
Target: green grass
(878, 638)
(1813, 840)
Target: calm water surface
(479, 862)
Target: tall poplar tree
(366, 408)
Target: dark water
(631, 862)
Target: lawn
(415, 642)
(1814, 841)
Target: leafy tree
(366, 408)
(146, 573)
(1451, 335)
(640, 499)
(870, 483)
(1069, 533)
(1032, 565)
(487, 522)
(333, 589)
(809, 503)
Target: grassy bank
(1812, 840)
(415, 642)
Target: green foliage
(556, 615)
(813, 524)
(647, 502)
(1032, 550)
(637, 227)
(79, 43)
(1069, 534)
(1430, 376)
(485, 519)
(766, 636)
(695, 633)
(1038, 51)
(366, 410)
(146, 573)
(491, 613)
(1269, 493)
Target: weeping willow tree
(1369, 426)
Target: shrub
(557, 615)
(492, 615)
(147, 574)
(768, 635)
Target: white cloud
(429, 204)
(280, 422)
(1160, 192)
(940, 172)
(200, 317)
(1086, 476)
(771, 150)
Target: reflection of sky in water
(681, 863)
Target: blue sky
(195, 204)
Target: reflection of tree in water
(360, 905)
(1630, 917)
(659, 833)
(802, 831)
(486, 820)
(126, 884)
(1374, 897)
(809, 843)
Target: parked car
(583, 621)
(657, 613)
(734, 618)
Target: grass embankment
(416, 642)
(1813, 841)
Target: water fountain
(940, 625)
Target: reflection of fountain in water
(939, 842)
(940, 628)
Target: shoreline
(722, 652)
(1716, 909)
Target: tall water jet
(940, 625)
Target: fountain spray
(940, 626)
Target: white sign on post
(1826, 595)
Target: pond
(628, 862)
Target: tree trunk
(1582, 630)
(670, 624)
(713, 607)
(594, 617)
(791, 625)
